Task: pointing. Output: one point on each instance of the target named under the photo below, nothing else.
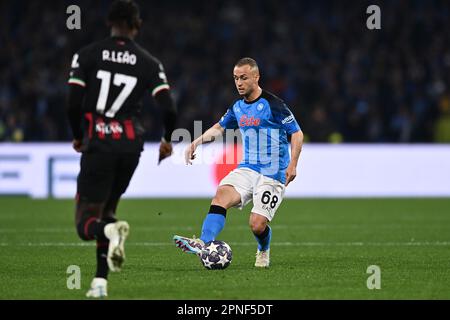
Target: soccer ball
(216, 255)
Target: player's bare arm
(209, 136)
(296, 148)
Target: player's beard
(245, 93)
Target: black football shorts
(105, 175)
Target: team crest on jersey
(260, 107)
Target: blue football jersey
(264, 125)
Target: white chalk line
(275, 244)
(243, 227)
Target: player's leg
(260, 227)
(112, 253)
(90, 226)
(266, 199)
(126, 166)
(225, 198)
(234, 189)
(263, 234)
(102, 249)
(93, 186)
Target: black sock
(218, 210)
(102, 264)
(102, 253)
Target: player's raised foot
(117, 233)
(189, 245)
(262, 259)
(99, 288)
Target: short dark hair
(247, 61)
(124, 12)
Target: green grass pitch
(321, 249)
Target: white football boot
(99, 288)
(117, 233)
(262, 259)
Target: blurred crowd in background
(343, 82)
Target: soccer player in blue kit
(265, 122)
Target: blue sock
(213, 223)
(263, 239)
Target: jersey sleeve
(285, 118)
(228, 121)
(78, 73)
(158, 78)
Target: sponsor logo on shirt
(109, 128)
(288, 119)
(249, 122)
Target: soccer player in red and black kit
(107, 81)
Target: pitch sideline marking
(280, 244)
(189, 228)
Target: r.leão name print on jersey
(119, 57)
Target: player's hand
(291, 173)
(165, 150)
(77, 145)
(189, 153)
